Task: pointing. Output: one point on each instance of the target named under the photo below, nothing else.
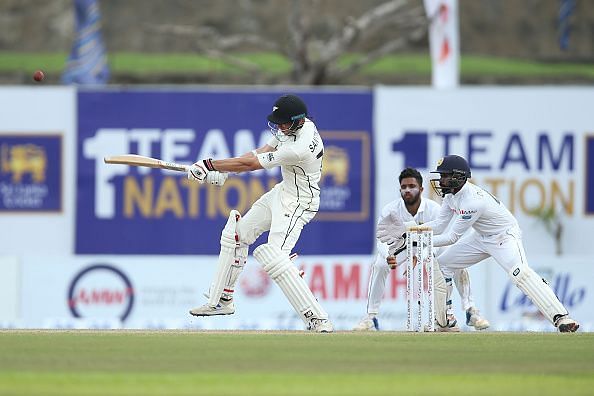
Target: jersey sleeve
(282, 156)
(382, 249)
(273, 142)
(465, 217)
(440, 222)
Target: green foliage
(274, 63)
(551, 221)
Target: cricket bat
(141, 160)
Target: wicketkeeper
(492, 232)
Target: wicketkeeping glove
(390, 229)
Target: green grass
(294, 363)
(406, 64)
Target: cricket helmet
(456, 170)
(287, 109)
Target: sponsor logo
(30, 172)
(101, 291)
(563, 284)
(255, 282)
(526, 170)
(346, 173)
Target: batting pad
(278, 265)
(538, 291)
(226, 260)
(462, 282)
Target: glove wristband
(208, 164)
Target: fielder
(411, 207)
(283, 211)
(495, 233)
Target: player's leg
(440, 297)
(464, 253)
(277, 264)
(375, 293)
(473, 317)
(238, 234)
(283, 235)
(509, 253)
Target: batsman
(296, 146)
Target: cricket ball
(38, 76)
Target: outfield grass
(294, 363)
(274, 63)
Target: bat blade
(141, 160)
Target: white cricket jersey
(300, 159)
(428, 210)
(471, 207)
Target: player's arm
(245, 163)
(440, 223)
(463, 221)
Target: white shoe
(567, 325)
(208, 310)
(320, 326)
(367, 324)
(474, 319)
(450, 327)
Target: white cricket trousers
(506, 248)
(284, 221)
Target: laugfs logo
(101, 291)
(255, 282)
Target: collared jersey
(300, 159)
(471, 207)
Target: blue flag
(565, 11)
(87, 63)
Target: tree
(315, 57)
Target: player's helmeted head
(453, 171)
(288, 109)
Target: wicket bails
(419, 248)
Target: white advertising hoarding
(570, 277)
(37, 130)
(9, 291)
(157, 292)
(533, 148)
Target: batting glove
(216, 178)
(198, 172)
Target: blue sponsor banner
(132, 210)
(30, 173)
(589, 175)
